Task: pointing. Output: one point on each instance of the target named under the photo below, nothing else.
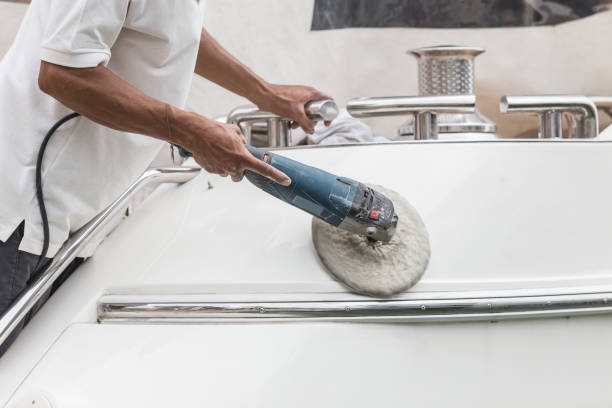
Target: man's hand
(217, 65)
(288, 101)
(101, 96)
(98, 94)
(219, 149)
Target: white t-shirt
(152, 44)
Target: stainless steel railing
(410, 307)
(69, 251)
(424, 108)
(582, 112)
(278, 128)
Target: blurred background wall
(275, 39)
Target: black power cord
(39, 189)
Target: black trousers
(17, 268)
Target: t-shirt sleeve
(81, 33)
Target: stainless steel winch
(449, 70)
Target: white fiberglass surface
(500, 215)
(528, 363)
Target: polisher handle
(339, 201)
(258, 153)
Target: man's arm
(219, 66)
(101, 96)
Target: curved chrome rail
(584, 119)
(424, 108)
(409, 307)
(278, 128)
(28, 299)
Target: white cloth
(151, 44)
(345, 129)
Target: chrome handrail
(407, 307)
(69, 251)
(424, 108)
(278, 128)
(584, 120)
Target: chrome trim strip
(69, 251)
(410, 307)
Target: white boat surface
(211, 293)
(503, 223)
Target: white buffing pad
(376, 269)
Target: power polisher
(339, 201)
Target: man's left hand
(288, 101)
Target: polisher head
(376, 268)
(372, 214)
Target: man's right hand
(219, 149)
(101, 96)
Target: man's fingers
(268, 171)
(320, 96)
(237, 177)
(305, 123)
